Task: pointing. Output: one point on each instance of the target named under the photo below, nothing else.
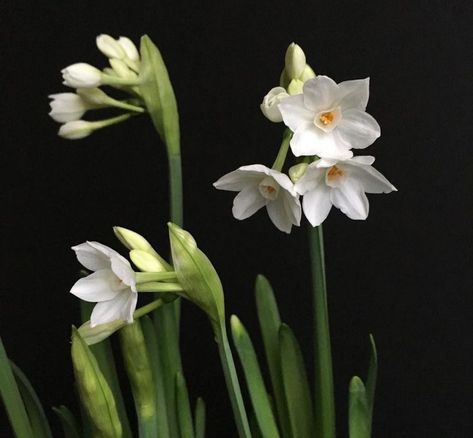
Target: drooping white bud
(76, 129)
(81, 75)
(269, 106)
(66, 107)
(110, 47)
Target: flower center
(268, 188)
(334, 173)
(327, 120)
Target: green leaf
(158, 94)
(199, 418)
(12, 400)
(254, 380)
(39, 422)
(183, 408)
(358, 411)
(158, 377)
(69, 423)
(296, 386)
(270, 322)
(371, 379)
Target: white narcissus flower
(112, 285)
(270, 103)
(66, 107)
(81, 75)
(342, 184)
(329, 119)
(260, 186)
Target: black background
(404, 274)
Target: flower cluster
(326, 121)
(68, 108)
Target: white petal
(129, 47)
(310, 140)
(350, 199)
(242, 177)
(119, 308)
(317, 204)
(311, 180)
(122, 269)
(358, 128)
(99, 286)
(292, 206)
(354, 94)
(371, 180)
(362, 159)
(320, 93)
(294, 113)
(90, 257)
(284, 181)
(247, 202)
(278, 215)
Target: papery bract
(260, 186)
(342, 184)
(112, 285)
(329, 119)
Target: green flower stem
(144, 277)
(125, 105)
(324, 395)
(175, 186)
(115, 80)
(99, 124)
(231, 379)
(142, 311)
(154, 286)
(281, 158)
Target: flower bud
(76, 129)
(132, 240)
(269, 106)
(147, 262)
(294, 61)
(93, 96)
(296, 86)
(129, 47)
(307, 74)
(66, 107)
(81, 75)
(96, 334)
(110, 47)
(296, 172)
(95, 394)
(121, 69)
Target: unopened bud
(296, 172)
(295, 87)
(110, 47)
(294, 61)
(81, 75)
(269, 106)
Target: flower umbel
(112, 285)
(342, 184)
(260, 186)
(329, 119)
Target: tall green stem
(231, 379)
(281, 157)
(324, 394)
(175, 187)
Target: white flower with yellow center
(328, 119)
(112, 285)
(260, 187)
(342, 184)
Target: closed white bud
(76, 129)
(294, 61)
(81, 75)
(93, 96)
(296, 86)
(307, 74)
(110, 47)
(66, 107)
(270, 103)
(129, 47)
(121, 69)
(297, 171)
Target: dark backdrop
(404, 274)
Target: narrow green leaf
(358, 411)
(254, 380)
(158, 94)
(296, 386)
(199, 418)
(38, 420)
(162, 430)
(69, 423)
(371, 379)
(183, 408)
(12, 400)
(270, 322)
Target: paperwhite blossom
(329, 119)
(112, 285)
(66, 107)
(342, 184)
(81, 75)
(269, 106)
(260, 187)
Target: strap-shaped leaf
(296, 385)
(38, 420)
(199, 418)
(12, 400)
(358, 412)
(254, 380)
(183, 408)
(371, 379)
(270, 322)
(70, 426)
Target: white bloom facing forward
(342, 184)
(269, 106)
(329, 119)
(112, 285)
(81, 75)
(260, 187)
(66, 107)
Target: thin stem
(154, 286)
(144, 277)
(324, 395)
(233, 386)
(281, 158)
(175, 187)
(124, 105)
